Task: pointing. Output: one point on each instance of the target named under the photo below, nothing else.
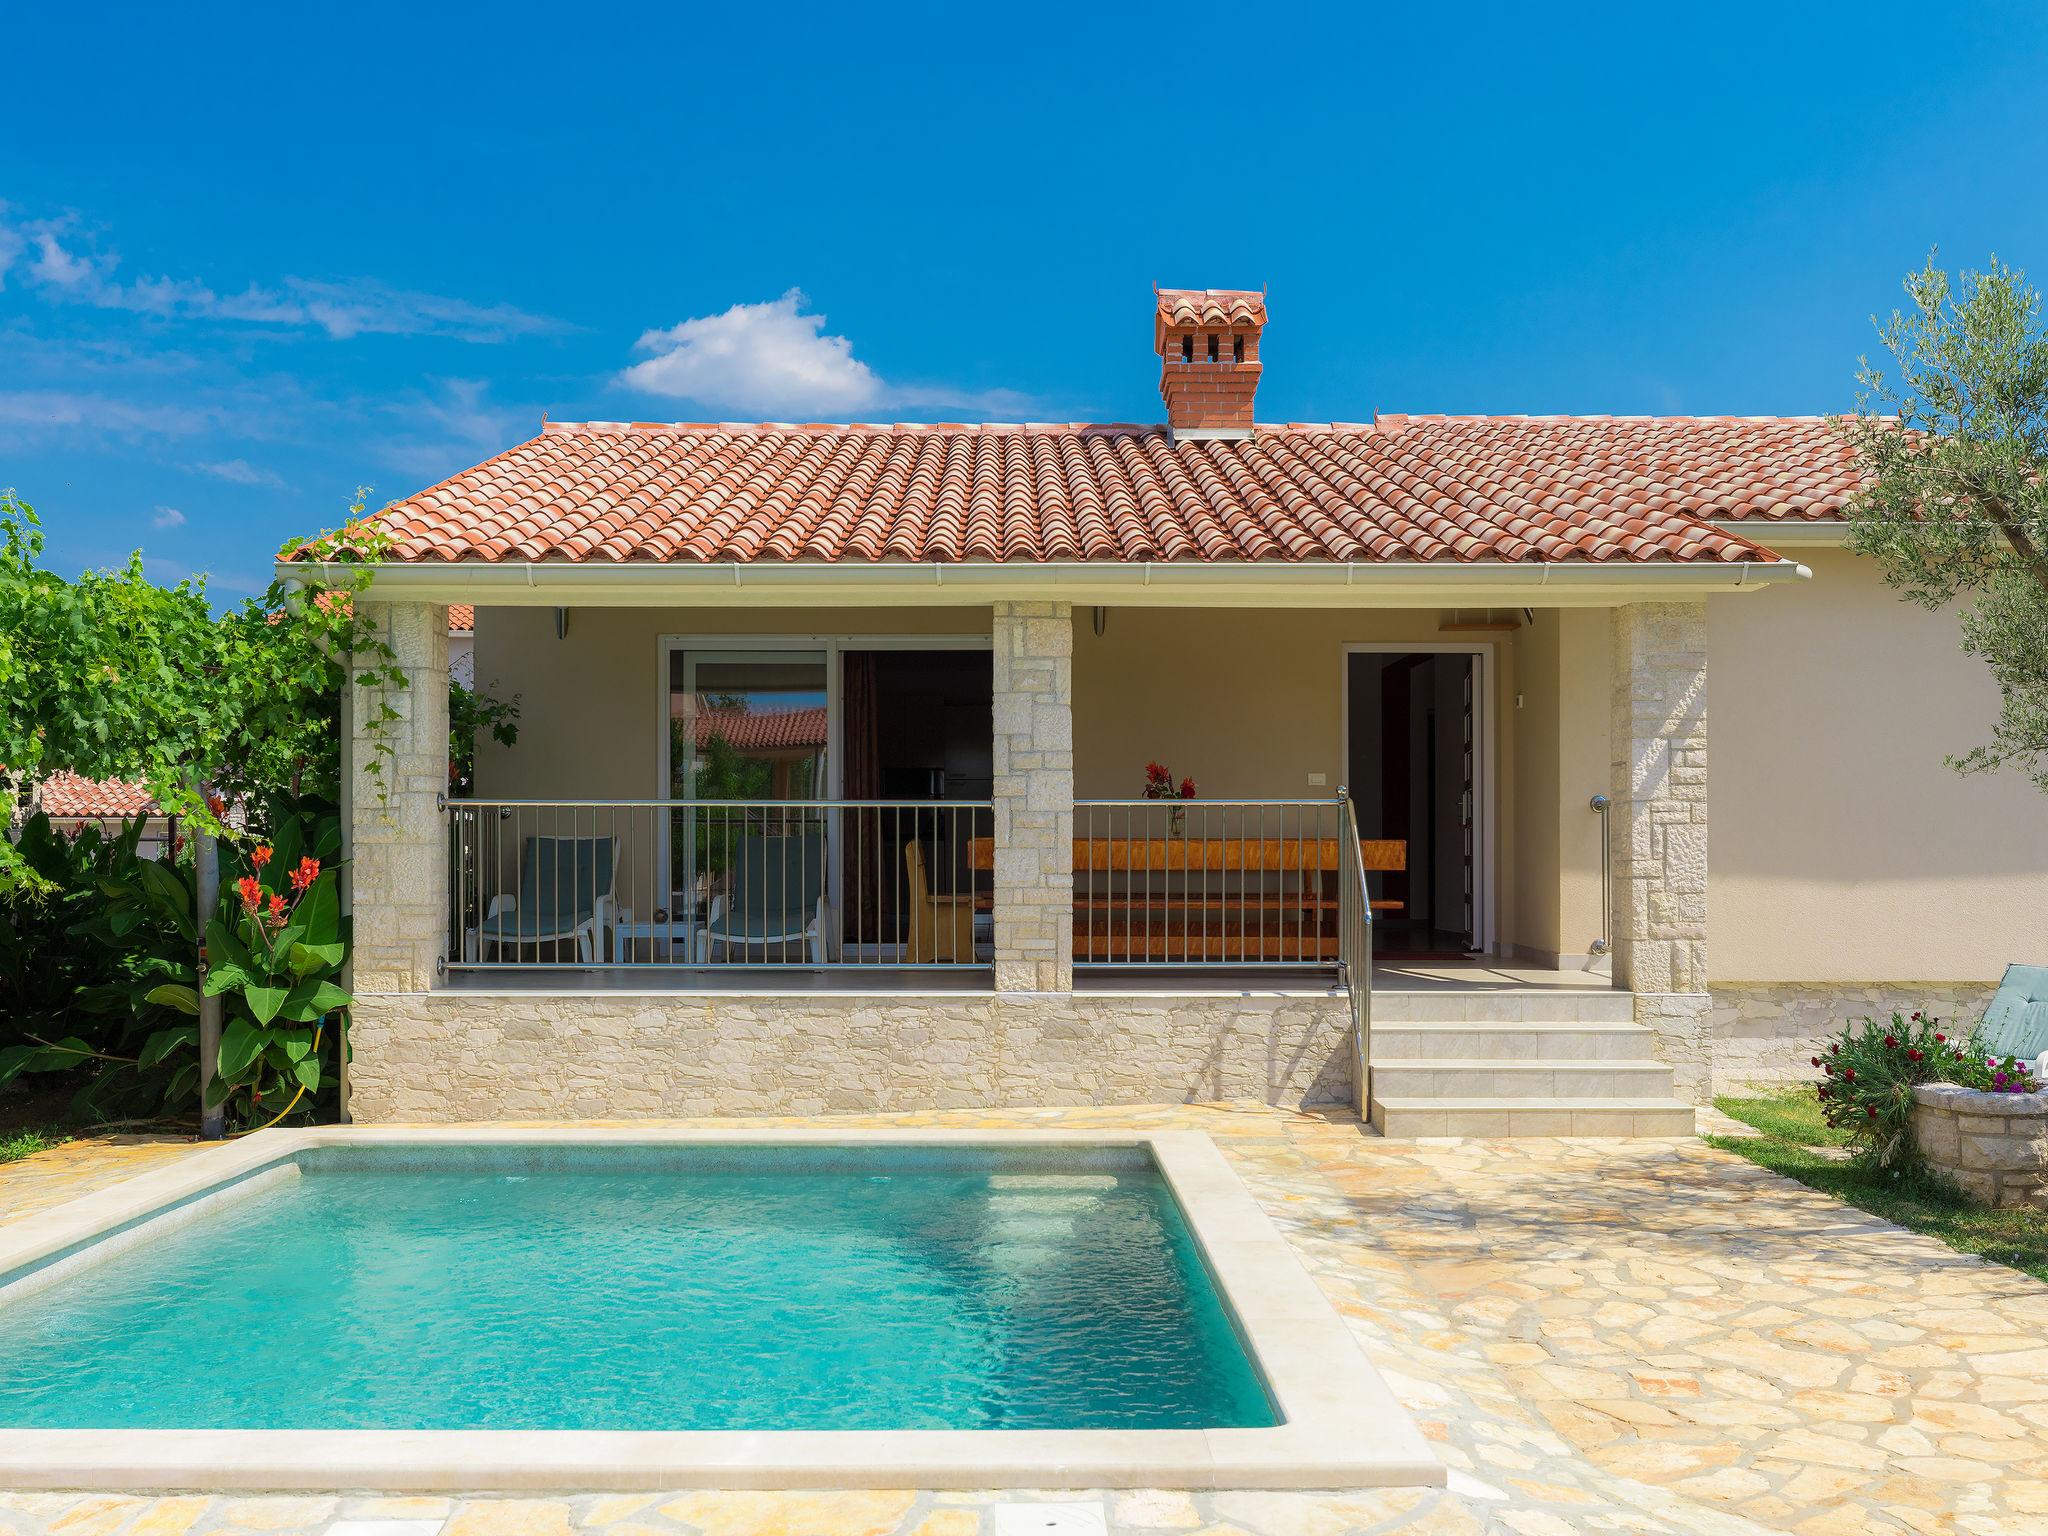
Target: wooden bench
(1202, 921)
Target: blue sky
(248, 263)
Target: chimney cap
(1180, 308)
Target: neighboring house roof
(1402, 489)
(66, 794)
(764, 730)
(461, 619)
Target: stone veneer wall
(1995, 1145)
(475, 1056)
(1659, 737)
(1767, 1033)
(1034, 796)
(398, 837)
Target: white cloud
(240, 472)
(774, 360)
(761, 358)
(56, 409)
(451, 428)
(64, 263)
(167, 517)
(11, 245)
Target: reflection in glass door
(749, 726)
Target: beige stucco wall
(1249, 702)
(1843, 847)
(591, 703)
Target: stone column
(1659, 738)
(396, 770)
(1034, 797)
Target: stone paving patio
(1637, 1336)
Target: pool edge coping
(1341, 1425)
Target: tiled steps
(1518, 1062)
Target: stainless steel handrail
(717, 885)
(1355, 955)
(1602, 806)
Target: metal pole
(1600, 805)
(206, 868)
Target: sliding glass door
(749, 726)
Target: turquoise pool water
(647, 1289)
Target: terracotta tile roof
(765, 730)
(1211, 306)
(1402, 489)
(1726, 467)
(66, 794)
(461, 618)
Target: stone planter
(1995, 1145)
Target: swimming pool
(376, 1308)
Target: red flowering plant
(1869, 1072)
(1159, 785)
(274, 955)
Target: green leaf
(240, 1044)
(264, 1001)
(224, 947)
(14, 1061)
(171, 995)
(319, 914)
(226, 978)
(287, 846)
(162, 1043)
(311, 1001)
(307, 1070)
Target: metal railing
(1603, 807)
(718, 884)
(1354, 951)
(1189, 883)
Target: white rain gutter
(1216, 584)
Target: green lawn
(1791, 1123)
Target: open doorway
(1412, 766)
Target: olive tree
(1953, 444)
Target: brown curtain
(870, 894)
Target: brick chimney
(1208, 345)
